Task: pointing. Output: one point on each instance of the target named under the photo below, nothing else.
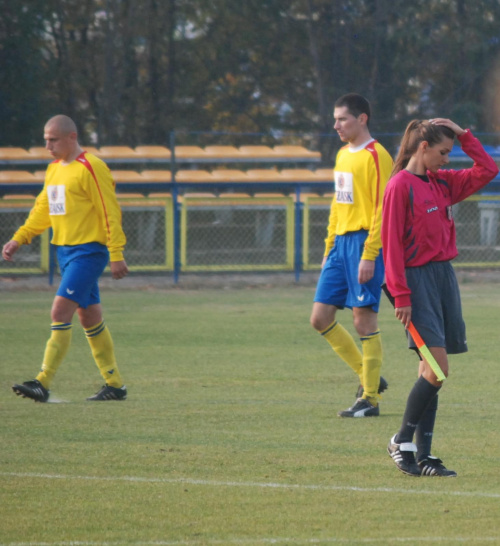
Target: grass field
(230, 434)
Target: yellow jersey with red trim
(360, 176)
(79, 202)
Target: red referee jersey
(417, 221)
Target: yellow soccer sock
(103, 351)
(55, 351)
(344, 345)
(372, 362)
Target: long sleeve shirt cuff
(402, 301)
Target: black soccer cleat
(382, 386)
(432, 466)
(32, 389)
(403, 456)
(109, 393)
(361, 408)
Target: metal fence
(241, 233)
(237, 233)
(188, 208)
(476, 221)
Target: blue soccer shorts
(81, 266)
(338, 283)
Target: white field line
(262, 485)
(277, 540)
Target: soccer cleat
(382, 386)
(109, 393)
(32, 389)
(362, 408)
(432, 466)
(403, 456)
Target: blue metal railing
(177, 189)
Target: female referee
(419, 242)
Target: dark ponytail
(416, 132)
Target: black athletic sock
(425, 429)
(419, 398)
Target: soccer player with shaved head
(78, 201)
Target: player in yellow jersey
(79, 202)
(352, 270)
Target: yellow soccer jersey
(79, 202)
(360, 175)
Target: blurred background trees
(131, 71)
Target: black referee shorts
(436, 309)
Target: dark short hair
(356, 104)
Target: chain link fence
(149, 226)
(476, 220)
(244, 233)
(238, 227)
(236, 232)
(33, 258)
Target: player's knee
(61, 314)
(314, 322)
(365, 323)
(322, 316)
(361, 327)
(321, 322)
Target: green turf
(230, 434)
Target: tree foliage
(129, 72)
